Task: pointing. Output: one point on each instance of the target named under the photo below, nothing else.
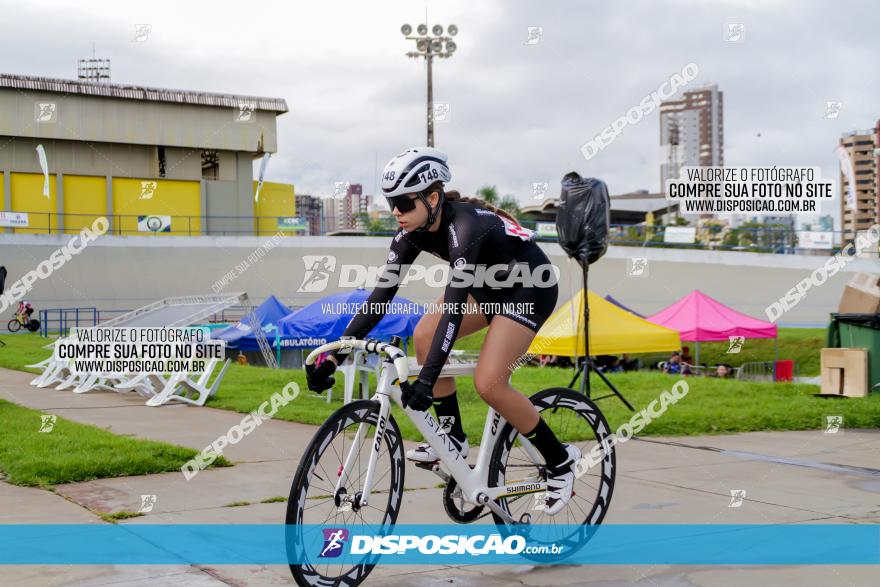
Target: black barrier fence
(773, 239)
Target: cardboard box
(845, 372)
(861, 295)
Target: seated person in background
(629, 364)
(604, 362)
(564, 362)
(548, 360)
(534, 360)
(686, 355)
(723, 371)
(615, 367)
(673, 365)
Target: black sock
(547, 444)
(449, 416)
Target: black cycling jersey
(468, 236)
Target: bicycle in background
(22, 319)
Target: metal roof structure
(182, 311)
(176, 312)
(84, 88)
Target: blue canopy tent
(240, 337)
(325, 320)
(608, 298)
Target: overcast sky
(518, 113)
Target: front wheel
(14, 325)
(576, 420)
(314, 499)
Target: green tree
(731, 238)
(489, 194)
(362, 220)
(752, 234)
(510, 205)
(383, 223)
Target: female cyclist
(475, 238)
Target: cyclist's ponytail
(454, 196)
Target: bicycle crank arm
(436, 469)
(483, 499)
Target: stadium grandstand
(151, 160)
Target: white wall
(129, 272)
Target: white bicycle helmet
(412, 172)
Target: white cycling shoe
(560, 482)
(423, 453)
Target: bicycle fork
(361, 498)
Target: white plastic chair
(98, 381)
(57, 372)
(355, 373)
(181, 388)
(144, 384)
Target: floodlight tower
(429, 47)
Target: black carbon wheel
(314, 500)
(576, 420)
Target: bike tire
(549, 402)
(14, 325)
(351, 414)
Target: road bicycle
(22, 320)
(352, 472)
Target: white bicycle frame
(472, 482)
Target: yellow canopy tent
(613, 331)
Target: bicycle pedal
(431, 466)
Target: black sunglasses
(403, 203)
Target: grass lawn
(23, 349)
(712, 406)
(800, 344)
(77, 452)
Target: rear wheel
(314, 500)
(575, 420)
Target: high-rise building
(691, 132)
(351, 208)
(862, 148)
(311, 209)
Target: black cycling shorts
(530, 306)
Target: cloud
(518, 113)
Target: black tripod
(588, 362)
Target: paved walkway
(789, 477)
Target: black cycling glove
(320, 378)
(417, 395)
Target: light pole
(429, 47)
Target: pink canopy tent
(699, 318)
